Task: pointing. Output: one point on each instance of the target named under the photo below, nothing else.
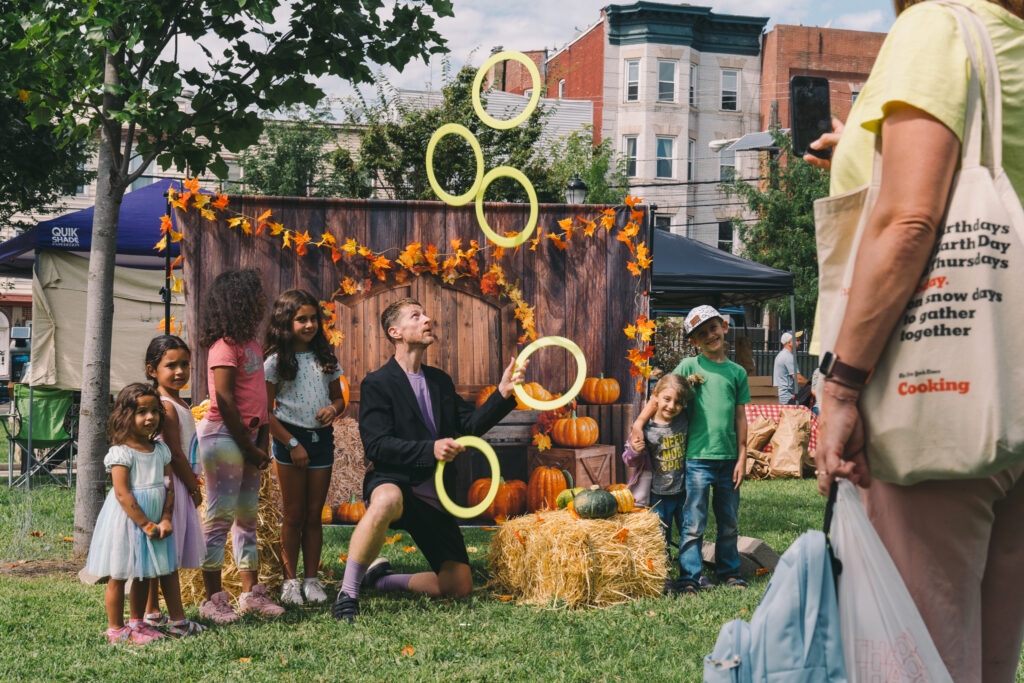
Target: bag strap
(837, 566)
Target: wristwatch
(833, 368)
(292, 443)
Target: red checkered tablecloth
(775, 412)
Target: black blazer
(395, 436)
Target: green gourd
(595, 503)
(565, 496)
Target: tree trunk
(92, 440)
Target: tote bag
(946, 400)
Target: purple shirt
(425, 491)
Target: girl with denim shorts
(304, 388)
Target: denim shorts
(319, 445)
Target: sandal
(143, 633)
(736, 582)
(118, 635)
(687, 590)
(155, 619)
(183, 628)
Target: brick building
(843, 57)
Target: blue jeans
(669, 509)
(702, 477)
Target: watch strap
(847, 374)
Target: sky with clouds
(479, 25)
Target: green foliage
(56, 52)
(36, 168)
(599, 166)
(395, 150)
(783, 235)
(296, 160)
(670, 345)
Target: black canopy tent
(687, 273)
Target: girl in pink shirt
(233, 440)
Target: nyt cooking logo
(64, 237)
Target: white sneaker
(314, 590)
(291, 594)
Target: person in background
(785, 375)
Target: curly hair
(158, 346)
(122, 417)
(279, 335)
(232, 308)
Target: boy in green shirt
(717, 455)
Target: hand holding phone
(810, 114)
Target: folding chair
(54, 428)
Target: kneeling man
(409, 415)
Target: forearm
(278, 431)
(646, 413)
(741, 432)
(232, 420)
(131, 508)
(182, 469)
(168, 511)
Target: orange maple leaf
(642, 258)
(624, 237)
(558, 242)
(162, 244)
(638, 357)
(208, 214)
(504, 598)
(633, 268)
(335, 255)
(191, 185)
(379, 265)
(456, 243)
(247, 227)
(177, 262)
(334, 336)
(565, 224)
(408, 651)
(535, 240)
(201, 200)
(630, 331)
(621, 535)
(343, 557)
(286, 239)
(165, 224)
(301, 239)
(349, 286)
(631, 201)
(350, 247)
(608, 219)
(401, 275)
(409, 549)
(645, 327)
(181, 201)
(542, 442)
(588, 226)
(366, 252)
(221, 202)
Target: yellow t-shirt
(923, 62)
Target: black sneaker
(377, 570)
(345, 607)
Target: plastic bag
(884, 637)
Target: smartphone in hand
(810, 114)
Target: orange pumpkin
(344, 391)
(600, 390)
(545, 485)
(484, 394)
(326, 515)
(533, 390)
(352, 511)
(509, 501)
(575, 432)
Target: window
(666, 81)
(730, 90)
(693, 85)
(726, 165)
(725, 236)
(630, 151)
(81, 189)
(663, 223)
(691, 150)
(632, 80)
(689, 226)
(144, 179)
(853, 97)
(528, 93)
(664, 158)
(561, 88)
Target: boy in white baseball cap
(717, 449)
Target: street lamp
(576, 191)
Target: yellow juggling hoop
(461, 131)
(531, 222)
(477, 510)
(581, 373)
(534, 97)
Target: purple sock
(354, 573)
(393, 582)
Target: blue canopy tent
(138, 229)
(56, 255)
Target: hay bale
(349, 463)
(268, 538)
(556, 559)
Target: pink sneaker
(258, 602)
(218, 609)
(143, 633)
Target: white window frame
(626, 96)
(732, 236)
(561, 88)
(691, 151)
(528, 93)
(854, 94)
(663, 223)
(735, 93)
(672, 82)
(659, 158)
(693, 85)
(726, 159)
(630, 159)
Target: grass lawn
(50, 624)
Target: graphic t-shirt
(712, 411)
(250, 385)
(297, 401)
(666, 444)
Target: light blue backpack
(794, 633)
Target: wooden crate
(614, 422)
(588, 466)
(761, 390)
